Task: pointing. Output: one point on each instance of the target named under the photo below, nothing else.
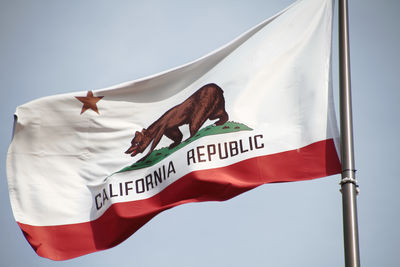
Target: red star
(89, 102)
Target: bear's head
(138, 143)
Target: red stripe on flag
(121, 220)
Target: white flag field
(87, 169)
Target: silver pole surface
(348, 182)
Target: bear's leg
(222, 116)
(156, 140)
(195, 125)
(175, 135)
(198, 118)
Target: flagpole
(348, 182)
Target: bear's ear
(145, 132)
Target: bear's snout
(132, 150)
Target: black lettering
(199, 154)
(241, 147)
(163, 168)
(98, 205)
(171, 168)
(220, 153)
(233, 146)
(139, 186)
(257, 145)
(158, 176)
(120, 189)
(190, 155)
(210, 151)
(127, 188)
(105, 197)
(111, 191)
(149, 181)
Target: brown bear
(206, 103)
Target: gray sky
(49, 47)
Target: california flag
(88, 169)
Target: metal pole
(348, 182)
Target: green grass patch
(159, 154)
